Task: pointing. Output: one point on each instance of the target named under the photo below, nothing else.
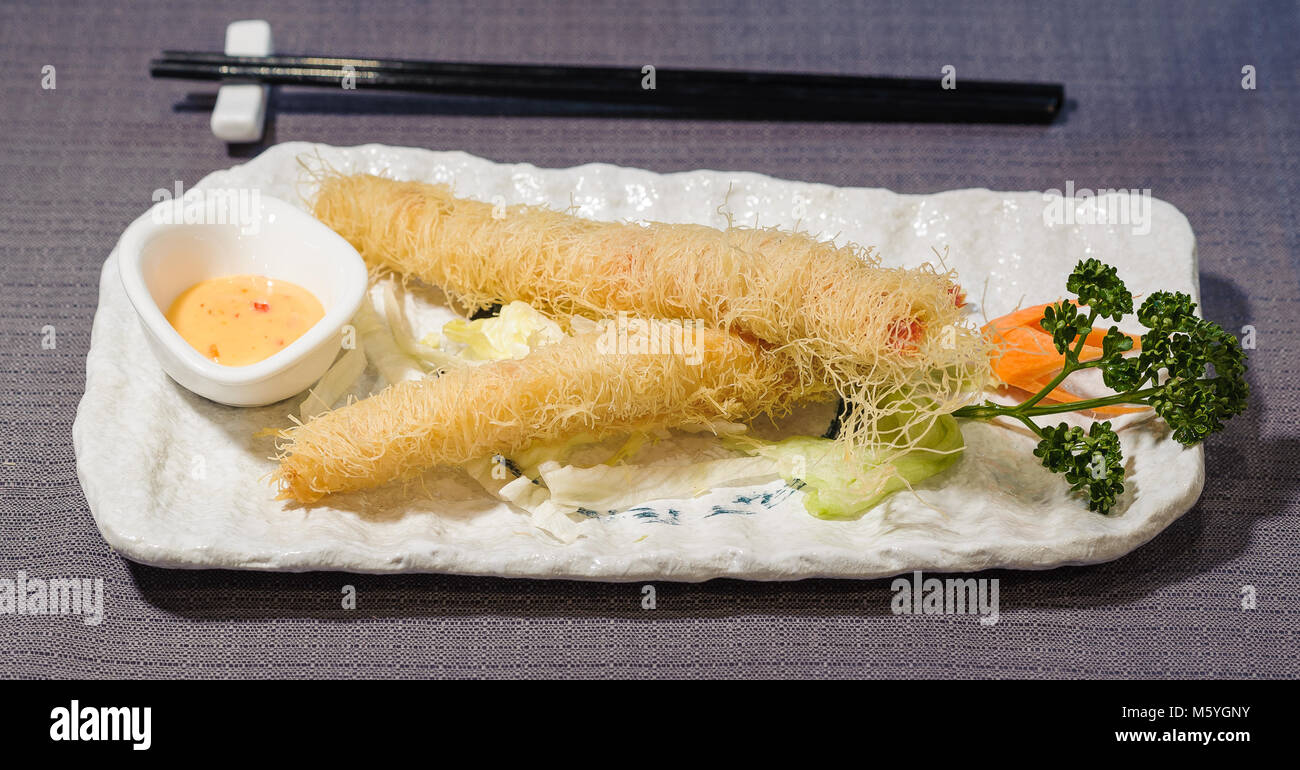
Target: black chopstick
(721, 92)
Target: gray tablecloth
(1157, 102)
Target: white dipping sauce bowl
(217, 233)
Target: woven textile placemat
(1156, 103)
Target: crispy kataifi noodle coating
(888, 340)
(584, 384)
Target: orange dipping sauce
(242, 319)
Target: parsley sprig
(1189, 370)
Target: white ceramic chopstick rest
(240, 111)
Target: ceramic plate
(177, 481)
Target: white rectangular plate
(174, 480)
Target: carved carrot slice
(1027, 359)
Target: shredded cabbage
(544, 481)
(334, 383)
(837, 486)
(397, 325)
(605, 488)
(512, 333)
(382, 349)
